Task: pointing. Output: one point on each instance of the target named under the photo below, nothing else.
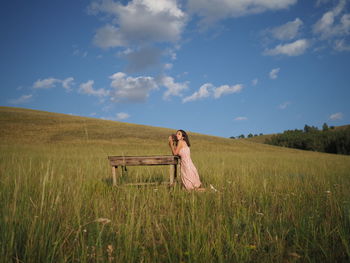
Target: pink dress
(189, 173)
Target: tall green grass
(57, 203)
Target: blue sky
(216, 67)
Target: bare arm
(175, 150)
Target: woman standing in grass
(180, 145)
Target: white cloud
(203, 92)
(49, 83)
(332, 24)
(324, 25)
(284, 105)
(255, 82)
(138, 22)
(131, 89)
(336, 116)
(341, 45)
(126, 51)
(226, 89)
(295, 48)
(273, 73)
(209, 90)
(78, 52)
(125, 88)
(87, 88)
(241, 118)
(22, 99)
(168, 66)
(108, 36)
(67, 83)
(287, 31)
(214, 10)
(173, 88)
(142, 59)
(122, 116)
(172, 55)
(320, 2)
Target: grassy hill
(57, 204)
(32, 127)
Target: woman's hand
(171, 144)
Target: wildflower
(294, 254)
(103, 220)
(251, 246)
(328, 192)
(110, 248)
(213, 188)
(259, 214)
(110, 253)
(92, 252)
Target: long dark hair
(186, 139)
(175, 141)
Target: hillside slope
(25, 126)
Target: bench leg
(114, 174)
(172, 173)
(175, 171)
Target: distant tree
(308, 128)
(255, 135)
(337, 141)
(241, 136)
(332, 127)
(325, 127)
(250, 135)
(261, 134)
(232, 137)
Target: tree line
(328, 139)
(242, 136)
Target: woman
(189, 174)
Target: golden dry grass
(57, 203)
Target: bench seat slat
(143, 160)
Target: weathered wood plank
(165, 157)
(143, 160)
(162, 157)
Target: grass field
(57, 204)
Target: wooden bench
(124, 161)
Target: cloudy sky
(219, 67)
